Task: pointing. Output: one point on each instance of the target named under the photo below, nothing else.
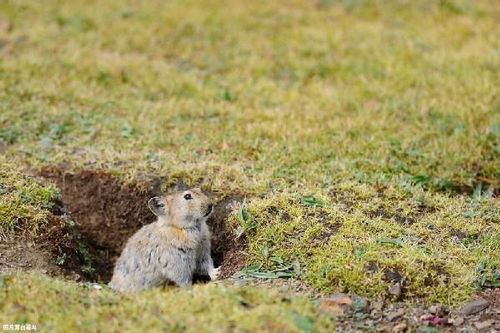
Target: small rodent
(171, 249)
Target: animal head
(185, 209)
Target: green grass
(24, 203)
(34, 299)
(358, 238)
(292, 95)
(387, 112)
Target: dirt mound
(57, 249)
(107, 212)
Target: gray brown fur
(171, 249)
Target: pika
(172, 249)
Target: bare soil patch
(57, 250)
(105, 211)
(23, 254)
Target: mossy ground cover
(359, 240)
(204, 308)
(364, 134)
(25, 204)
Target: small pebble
(458, 321)
(484, 324)
(395, 315)
(436, 309)
(475, 307)
(395, 290)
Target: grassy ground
(210, 308)
(365, 134)
(24, 203)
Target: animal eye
(188, 196)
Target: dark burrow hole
(101, 213)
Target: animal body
(172, 249)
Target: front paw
(214, 273)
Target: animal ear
(157, 206)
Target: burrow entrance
(107, 212)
